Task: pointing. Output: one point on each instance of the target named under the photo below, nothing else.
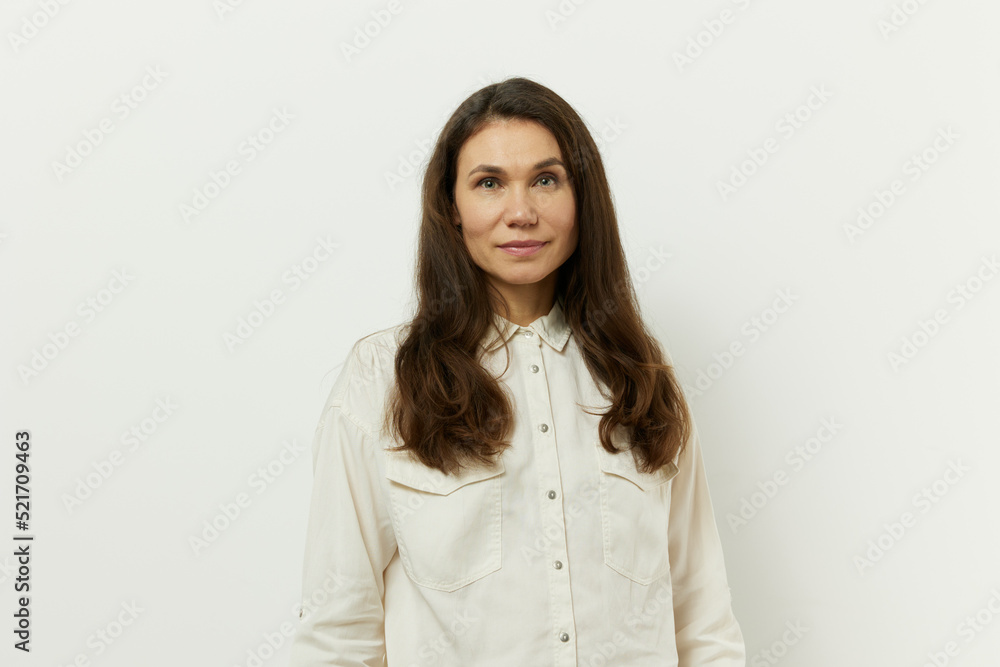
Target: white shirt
(561, 554)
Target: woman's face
(511, 185)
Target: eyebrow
(493, 169)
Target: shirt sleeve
(707, 633)
(349, 543)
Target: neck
(529, 301)
(528, 308)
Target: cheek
(477, 216)
(476, 239)
(566, 217)
(571, 232)
(558, 211)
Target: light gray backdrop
(204, 204)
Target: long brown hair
(445, 406)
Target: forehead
(512, 141)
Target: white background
(672, 131)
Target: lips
(523, 248)
(522, 244)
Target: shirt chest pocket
(447, 526)
(635, 513)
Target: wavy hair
(445, 406)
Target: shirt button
(544, 428)
(564, 637)
(527, 334)
(557, 565)
(534, 368)
(552, 495)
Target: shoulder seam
(338, 405)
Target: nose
(520, 207)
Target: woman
(473, 503)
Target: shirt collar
(552, 328)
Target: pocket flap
(623, 465)
(403, 468)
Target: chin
(522, 279)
